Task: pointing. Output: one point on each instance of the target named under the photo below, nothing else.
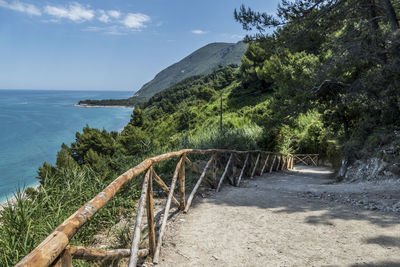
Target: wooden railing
(307, 159)
(56, 251)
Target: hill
(201, 61)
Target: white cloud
(75, 12)
(103, 16)
(111, 30)
(135, 20)
(114, 13)
(237, 36)
(118, 22)
(21, 7)
(199, 32)
(232, 36)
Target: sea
(34, 124)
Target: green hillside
(202, 61)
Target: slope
(202, 61)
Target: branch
(319, 89)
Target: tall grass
(234, 138)
(26, 221)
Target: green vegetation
(130, 102)
(325, 81)
(202, 61)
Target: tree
(354, 42)
(133, 140)
(100, 141)
(137, 117)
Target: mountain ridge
(202, 61)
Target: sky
(108, 44)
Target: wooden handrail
(54, 248)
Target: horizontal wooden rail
(92, 254)
(54, 249)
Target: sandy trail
(266, 222)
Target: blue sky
(107, 45)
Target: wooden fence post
(136, 235)
(242, 171)
(255, 166)
(182, 184)
(234, 169)
(164, 187)
(150, 215)
(65, 259)
(272, 164)
(215, 169)
(224, 174)
(283, 162)
(279, 163)
(196, 187)
(265, 165)
(292, 163)
(166, 212)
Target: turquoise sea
(34, 124)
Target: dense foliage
(340, 58)
(325, 80)
(129, 102)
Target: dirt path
(270, 221)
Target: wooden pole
(136, 236)
(255, 166)
(287, 162)
(272, 164)
(298, 157)
(93, 254)
(166, 212)
(150, 214)
(215, 169)
(194, 168)
(182, 184)
(292, 163)
(234, 169)
(196, 187)
(65, 259)
(265, 165)
(164, 187)
(220, 118)
(279, 163)
(283, 162)
(224, 174)
(312, 160)
(242, 171)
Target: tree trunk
(372, 15)
(390, 14)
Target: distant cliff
(201, 61)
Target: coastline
(99, 106)
(42, 138)
(12, 198)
